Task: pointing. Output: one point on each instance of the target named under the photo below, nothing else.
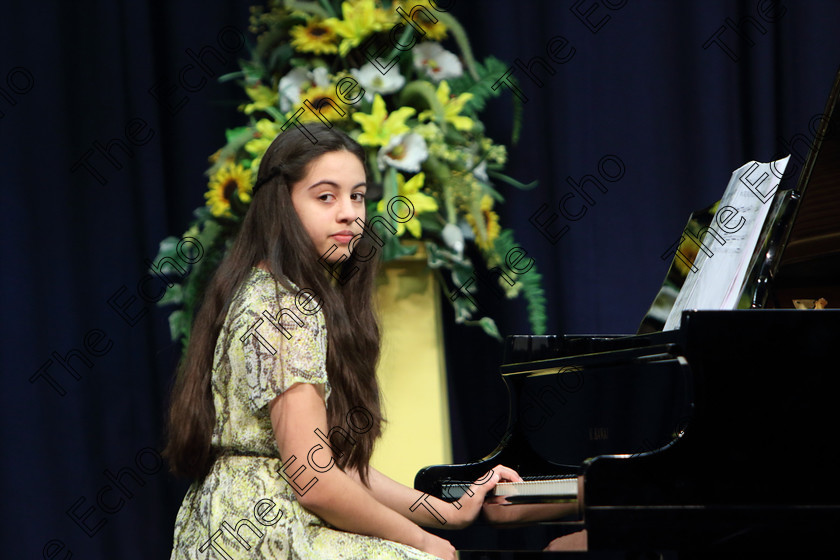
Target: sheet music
(724, 251)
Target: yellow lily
(452, 107)
(420, 201)
(378, 127)
(360, 18)
(261, 96)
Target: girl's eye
(326, 197)
(359, 196)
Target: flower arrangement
(378, 70)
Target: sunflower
(231, 179)
(491, 224)
(315, 37)
(434, 31)
(323, 100)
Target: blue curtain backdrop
(109, 109)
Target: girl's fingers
(499, 473)
(507, 474)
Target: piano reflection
(739, 453)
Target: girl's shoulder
(262, 291)
(262, 286)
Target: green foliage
(482, 89)
(187, 292)
(530, 284)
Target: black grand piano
(741, 453)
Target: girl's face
(328, 199)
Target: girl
(276, 407)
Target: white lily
(439, 63)
(404, 151)
(374, 81)
(297, 79)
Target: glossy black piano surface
(742, 447)
(595, 401)
(757, 464)
(718, 438)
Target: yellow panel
(412, 373)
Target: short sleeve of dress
(274, 344)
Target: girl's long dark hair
(272, 233)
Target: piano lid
(807, 265)
(816, 228)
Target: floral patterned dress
(244, 508)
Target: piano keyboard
(531, 489)
(558, 488)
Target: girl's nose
(346, 210)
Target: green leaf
(434, 256)
(482, 87)
(393, 249)
(167, 248)
(511, 181)
(489, 326)
(535, 296)
(442, 257)
(429, 223)
(233, 135)
(329, 9)
(231, 76)
(530, 282)
(253, 71)
(280, 56)
(487, 188)
(174, 295)
(236, 139)
(176, 324)
(202, 214)
(395, 51)
(463, 310)
(320, 9)
(518, 108)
